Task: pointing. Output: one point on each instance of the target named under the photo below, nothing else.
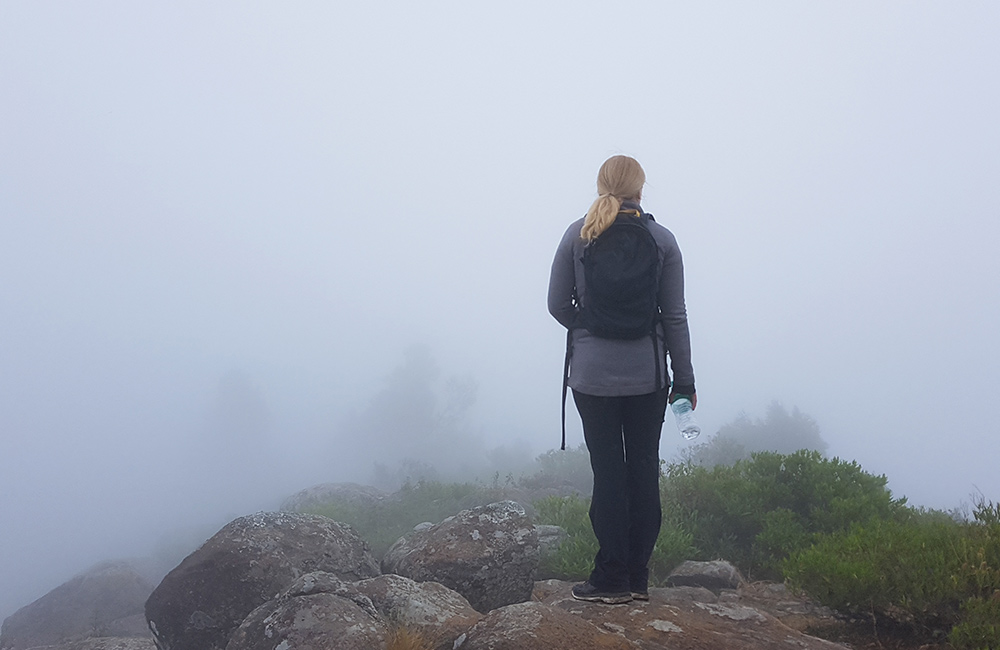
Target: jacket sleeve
(673, 313)
(562, 280)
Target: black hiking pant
(623, 437)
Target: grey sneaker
(590, 593)
(640, 595)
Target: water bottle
(684, 415)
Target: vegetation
(824, 525)
(402, 637)
(753, 513)
(381, 525)
(757, 511)
(920, 568)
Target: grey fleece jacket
(612, 367)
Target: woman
(620, 384)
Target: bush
(979, 626)
(920, 568)
(882, 566)
(756, 512)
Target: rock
(104, 601)
(350, 494)
(535, 626)
(681, 618)
(488, 554)
(438, 614)
(202, 601)
(321, 620)
(105, 643)
(549, 538)
(796, 610)
(715, 575)
(319, 582)
(428, 610)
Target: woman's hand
(693, 397)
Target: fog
(228, 229)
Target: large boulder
(685, 618)
(356, 614)
(321, 620)
(535, 626)
(106, 600)
(202, 601)
(431, 610)
(488, 554)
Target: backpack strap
(565, 386)
(656, 356)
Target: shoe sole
(614, 599)
(639, 596)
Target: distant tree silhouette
(779, 431)
(416, 427)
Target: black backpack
(621, 269)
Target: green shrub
(979, 627)
(885, 565)
(921, 568)
(757, 511)
(753, 513)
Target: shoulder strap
(565, 386)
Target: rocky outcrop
(437, 614)
(536, 626)
(104, 601)
(684, 618)
(360, 614)
(796, 610)
(488, 554)
(716, 575)
(310, 621)
(202, 601)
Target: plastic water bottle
(684, 415)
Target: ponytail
(600, 216)
(619, 178)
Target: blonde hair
(620, 178)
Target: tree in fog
(417, 425)
(778, 431)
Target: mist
(225, 229)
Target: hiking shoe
(590, 593)
(640, 595)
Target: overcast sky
(215, 209)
